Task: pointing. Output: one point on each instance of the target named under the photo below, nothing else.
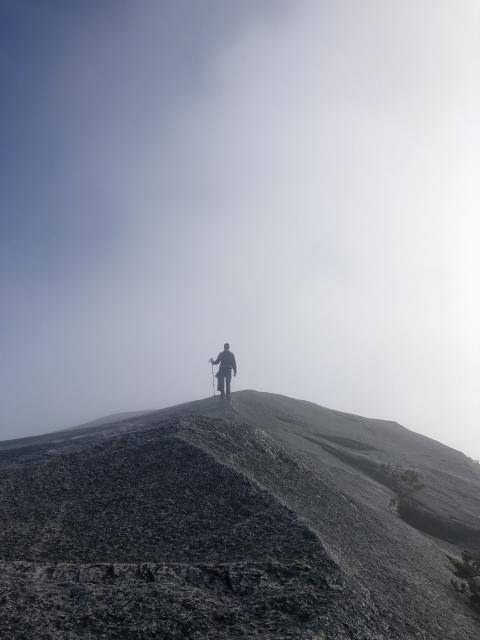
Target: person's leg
(221, 384)
(228, 378)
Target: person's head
(226, 346)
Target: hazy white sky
(298, 178)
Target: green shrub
(468, 570)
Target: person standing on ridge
(226, 359)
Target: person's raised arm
(218, 360)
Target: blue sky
(298, 178)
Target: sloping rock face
(347, 447)
(259, 518)
(160, 534)
(149, 496)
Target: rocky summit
(266, 517)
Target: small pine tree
(406, 483)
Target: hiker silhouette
(227, 362)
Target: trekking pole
(213, 382)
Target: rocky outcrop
(168, 601)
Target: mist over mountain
(312, 167)
(267, 517)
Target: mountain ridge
(199, 499)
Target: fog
(296, 178)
